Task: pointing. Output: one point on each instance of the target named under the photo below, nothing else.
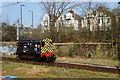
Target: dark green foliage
(115, 57)
(59, 53)
(72, 52)
(89, 55)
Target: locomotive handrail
(78, 43)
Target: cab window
(43, 44)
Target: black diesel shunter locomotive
(36, 49)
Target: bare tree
(88, 6)
(55, 9)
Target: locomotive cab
(36, 49)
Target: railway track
(115, 70)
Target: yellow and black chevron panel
(47, 46)
(47, 40)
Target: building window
(73, 15)
(88, 21)
(60, 18)
(118, 19)
(45, 23)
(98, 20)
(65, 16)
(67, 21)
(108, 21)
(62, 23)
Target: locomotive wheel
(51, 59)
(36, 59)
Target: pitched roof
(77, 17)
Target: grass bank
(23, 70)
(85, 60)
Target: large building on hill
(95, 21)
(70, 19)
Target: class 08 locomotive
(35, 49)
